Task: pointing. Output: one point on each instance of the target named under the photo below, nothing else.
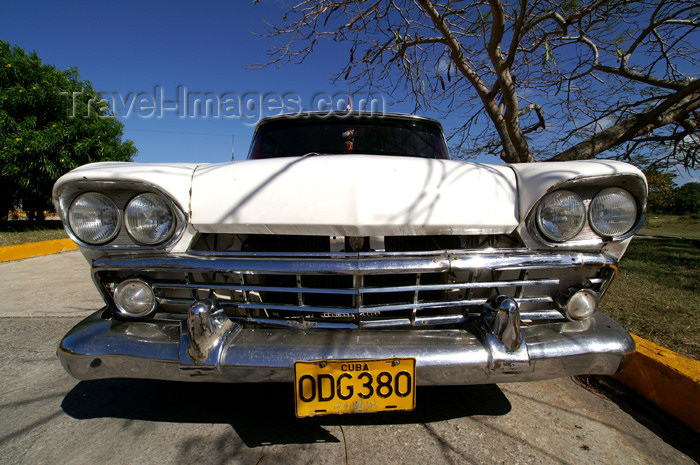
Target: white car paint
(536, 179)
(173, 179)
(354, 195)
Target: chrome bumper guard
(209, 347)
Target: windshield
(376, 136)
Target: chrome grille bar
(356, 310)
(404, 264)
(367, 290)
(375, 324)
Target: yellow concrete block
(33, 249)
(668, 379)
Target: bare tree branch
(676, 107)
(554, 79)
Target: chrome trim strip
(542, 315)
(405, 264)
(357, 310)
(366, 308)
(350, 255)
(448, 303)
(164, 301)
(186, 264)
(235, 287)
(537, 315)
(442, 320)
(385, 323)
(294, 323)
(292, 308)
(365, 290)
(454, 286)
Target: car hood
(354, 195)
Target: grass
(20, 232)
(671, 225)
(655, 294)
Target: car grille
(365, 289)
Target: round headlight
(582, 304)
(149, 219)
(134, 298)
(561, 215)
(613, 212)
(94, 218)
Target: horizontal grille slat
(234, 287)
(361, 309)
(446, 287)
(291, 308)
(368, 290)
(294, 323)
(386, 323)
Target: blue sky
(128, 47)
(145, 49)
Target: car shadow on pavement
(262, 414)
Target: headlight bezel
(587, 188)
(74, 229)
(120, 192)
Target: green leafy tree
(50, 123)
(662, 190)
(688, 198)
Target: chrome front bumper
(109, 348)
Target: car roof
(346, 114)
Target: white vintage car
(350, 256)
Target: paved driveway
(48, 417)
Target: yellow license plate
(324, 387)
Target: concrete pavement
(51, 285)
(48, 417)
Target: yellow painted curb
(34, 249)
(666, 378)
